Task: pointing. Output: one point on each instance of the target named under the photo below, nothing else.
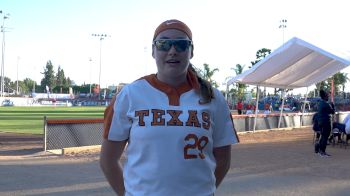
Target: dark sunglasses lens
(163, 45)
(181, 45)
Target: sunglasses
(180, 45)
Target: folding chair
(339, 132)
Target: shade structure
(295, 64)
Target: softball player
(178, 128)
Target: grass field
(30, 119)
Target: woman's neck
(172, 81)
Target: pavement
(264, 163)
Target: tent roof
(293, 65)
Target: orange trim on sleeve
(108, 115)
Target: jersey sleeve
(117, 123)
(224, 131)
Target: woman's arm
(223, 161)
(111, 152)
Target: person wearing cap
(175, 128)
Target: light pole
(90, 60)
(101, 36)
(2, 89)
(17, 92)
(283, 25)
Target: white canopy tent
(295, 64)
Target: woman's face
(172, 51)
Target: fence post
(45, 132)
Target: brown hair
(205, 89)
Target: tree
(321, 85)
(60, 78)
(340, 79)
(49, 76)
(7, 83)
(69, 82)
(29, 85)
(240, 87)
(260, 55)
(207, 74)
(21, 87)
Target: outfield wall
(59, 134)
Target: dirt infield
(264, 163)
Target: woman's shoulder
(139, 81)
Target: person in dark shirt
(324, 115)
(317, 130)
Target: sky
(225, 33)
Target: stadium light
(2, 86)
(283, 25)
(102, 37)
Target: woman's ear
(153, 51)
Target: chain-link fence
(63, 133)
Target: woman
(178, 128)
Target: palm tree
(260, 55)
(240, 87)
(207, 74)
(340, 80)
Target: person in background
(239, 107)
(249, 108)
(324, 116)
(176, 128)
(254, 108)
(317, 130)
(267, 108)
(346, 121)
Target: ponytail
(205, 89)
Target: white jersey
(347, 124)
(170, 138)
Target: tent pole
(302, 115)
(279, 120)
(256, 107)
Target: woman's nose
(172, 50)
